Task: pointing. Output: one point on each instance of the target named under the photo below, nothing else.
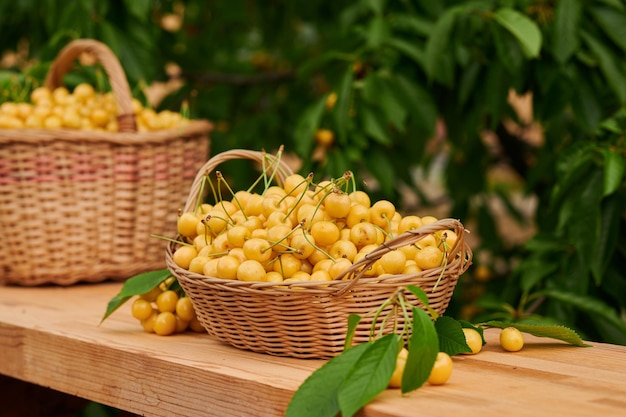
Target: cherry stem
(220, 178)
(172, 240)
(215, 198)
(307, 180)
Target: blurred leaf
(417, 102)
(370, 375)
(585, 225)
(378, 32)
(545, 243)
(615, 75)
(318, 394)
(588, 304)
(409, 49)
(374, 125)
(382, 169)
(468, 81)
(433, 8)
(451, 336)
(439, 62)
(381, 91)
(318, 61)
(377, 6)
(614, 166)
(341, 111)
(140, 9)
(306, 125)
(534, 270)
(604, 249)
(565, 40)
(613, 23)
(586, 106)
(508, 49)
(414, 23)
(525, 30)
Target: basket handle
(281, 169)
(113, 69)
(455, 265)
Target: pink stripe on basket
(8, 180)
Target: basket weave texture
(81, 206)
(309, 319)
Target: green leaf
(584, 227)
(377, 6)
(417, 102)
(525, 30)
(305, 71)
(541, 330)
(573, 164)
(613, 170)
(413, 23)
(318, 394)
(423, 349)
(353, 322)
(307, 124)
(370, 375)
(420, 294)
(374, 126)
(545, 243)
(468, 81)
(140, 9)
(382, 169)
(378, 32)
(612, 23)
(423, 297)
(611, 68)
(533, 270)
(137, 285)
(589, 304)
(604, 249)
(508, 49)
(409, 49)
(467, 325)
(451, 336)
(565, 40)
(586, 105)
(439, 64)
(341, 110)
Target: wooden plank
(50, 336)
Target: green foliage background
(402, 70)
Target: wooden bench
(49, 336)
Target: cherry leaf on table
(318, 394)
(423, 350)
(541, 330)
(451, 336)
(370, 375)
(137, 285)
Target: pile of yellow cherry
(301, 231)
(84, 108)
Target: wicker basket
(308, 319)
(81, 205)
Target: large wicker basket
(308, 319)
(82, 205)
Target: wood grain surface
(50, 336)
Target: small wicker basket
(309, 319)
(82, 205)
